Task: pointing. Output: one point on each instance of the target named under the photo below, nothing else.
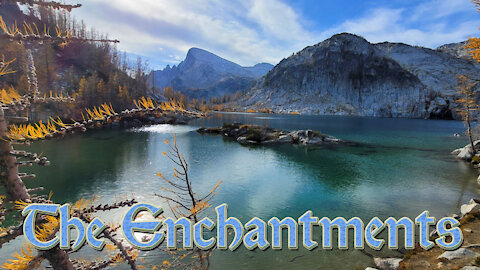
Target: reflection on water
(401, 168)
(165, 129)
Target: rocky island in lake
(254, 135)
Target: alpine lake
(401, 167)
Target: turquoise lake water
(401, 168)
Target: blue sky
(252, 31)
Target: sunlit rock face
(456, 49)
(347, 75)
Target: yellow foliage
(219, 107)
(473, 44)
(204, 109)
(84, 203)
(172, 106)
(100, 113)
(144, 103)
(4, 66)
(34, 131)
(473, 47)
(192, 205)
(45, 231)
(467, 97)
(8, 97)
(23, 260)
(266, 110)
(56, 96)
(147, 103)
(199, 207)
(20, 205)
(31, 30)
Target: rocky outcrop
(456, 49)
(437, 70)
(347, 75)
(464, 257)
(255, 135)
(387, 263)
(204, 74)
(466, 153)
(473, 207)
(460, 253)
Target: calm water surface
(402, 168)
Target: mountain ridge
(347, 75)
(204, 74)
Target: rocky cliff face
(204, 74)
(347, 75)
(456, 49)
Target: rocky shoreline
(466, 257)
(467, 154)
(134, 119)
(126, 119)
(259, 135)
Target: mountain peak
(344, 42)
(203, 55)
(197, 51)
(204, 73)
(346, 37)
(347, 75)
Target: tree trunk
(470, 137)
(32, 82)
(58, 259)
(16, 190)
(32, 75)
(15, 187)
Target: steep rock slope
(347, 75)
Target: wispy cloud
(252, 31)
(429, 24)
(243, 31)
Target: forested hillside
(92, 72)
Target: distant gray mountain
(204, 74)
(347, 75)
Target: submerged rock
(251, 134)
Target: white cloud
(268, 32)
(436, 9)
(424, 25)
(252, 31)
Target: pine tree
(466, 91)
(10, 160)
(14, 108)
(184, 202)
